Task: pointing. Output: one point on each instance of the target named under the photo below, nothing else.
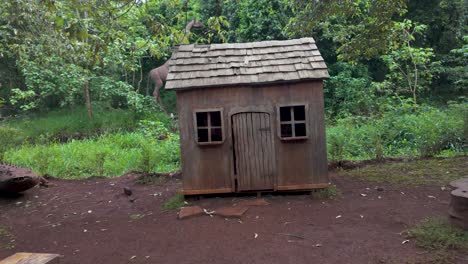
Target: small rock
(127, 191)
(189, 211)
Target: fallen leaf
(405, 241)
(256, 235)
(338, 216)
(430, 196)
(363, 194)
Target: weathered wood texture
(297, 163)
(196, 66)
(254, 163)
(32, 258)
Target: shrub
(9, 138)
(107, 155)
(402, 131)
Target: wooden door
(253, 151)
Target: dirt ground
(93, 221)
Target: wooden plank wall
(299, 163)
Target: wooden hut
(251, 116)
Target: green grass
(400, 132)
(174, 203)
(326, 193)
(63, 124)
(439, 234)
(107, 155)
(417, 172)
(6, 239)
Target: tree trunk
(89, 108)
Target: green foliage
(358, 27)
(349, 91)
(406, 130)
(107, 155)
(435, 171)
(438, 234)
(174, 203)
(62, 125)
(326, 193)
(408, 65)
(154, 129)
(9, 138)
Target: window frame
(293, 122)
(209, 126)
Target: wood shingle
(197, 66)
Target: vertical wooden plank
(255, 155)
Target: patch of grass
(62, 125)
(416, 172)
(174, 203)
(107, 155)
(6, 239)
(136, 216)
(326, 193)
(439, 234)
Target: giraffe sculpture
(159, 74)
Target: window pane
(215, 118)
(300, 130)
(202, 119)
(202, 135)
(286, 130)
(285, 113)
(299, 113)
(216, 134)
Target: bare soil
(93, 221)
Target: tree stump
(458, 208)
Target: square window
(209, 127)
(292, 122)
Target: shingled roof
(196, 66)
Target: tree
(408, 65)
(359, 27)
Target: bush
(402, 131)
(9, 138)
(63, 125)
(107, 155)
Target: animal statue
(15, 179)
(159, 75)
